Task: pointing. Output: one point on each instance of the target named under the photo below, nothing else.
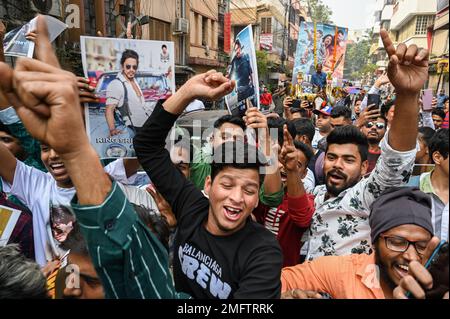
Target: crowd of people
(330, 199)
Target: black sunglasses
(379, 126)
(131, 66)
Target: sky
(353, 14)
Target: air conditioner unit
(181, 25)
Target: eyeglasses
(379, 126)
(131, 66)
(400, 244)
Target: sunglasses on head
(379, 126)
(131, 66)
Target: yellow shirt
(342, 277)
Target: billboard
(320, 44)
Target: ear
(437, 158)
(207, 186)
(364, 167)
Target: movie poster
(320, 44)
(15, 43)
(8, 220)
(129, 77)
(243, 69)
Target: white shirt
(309, 182)
(316, 139)
(37, 190)
(115, 95)
(195, 106)
(340, 225)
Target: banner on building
(129, 77)
(15, 43)
(243, 69)
(442, 66)
(227, 33)
(320, 44)
(266, 42)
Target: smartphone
(427, 99)
(373, 99)
(437, 265)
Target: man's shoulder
(258, 237)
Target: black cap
(400, 206)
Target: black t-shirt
(246, 264)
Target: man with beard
(374, 132)
(340, 222)
(401, 234)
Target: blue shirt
(319, 79)
(441, 99)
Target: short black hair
(439, 143)
(341, 110)
(157, 223)
(439, 112)
(4, 128)
(304, 127)
(238, 43)
(164, 46)
(386, 107)
(349, 134)
(236, 120)
(427, 134)
(127, 54)
(237, 154)
(306, 150)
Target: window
(204, 31)
(422, 23)
(266, 25)
(110, 19)
(159, 30)
(89, 17)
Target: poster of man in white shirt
(129, 79)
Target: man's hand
(46, 97)
(419, 279)
(86, 91)
(210, 86)
(288, 152)
(300, 294)
(367, 116)
(408, 66)
(287, 102)
(255, 119)
(31, 36)
(382, 80)
(163, 206)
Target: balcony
(404, 10)
(388, 10)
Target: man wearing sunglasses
(401, 233)
(125, 109)
(374, 131)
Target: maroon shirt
(288, 222)
(372, 157)
(23, 231)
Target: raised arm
(407, 71)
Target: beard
(336, 190)
(384, 274)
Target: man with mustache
(374, 132)
(340, 223)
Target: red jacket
(266, 98)
(288, 222)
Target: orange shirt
(342, 277)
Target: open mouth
(335, 178)
(283, 176)
(58, 168)
(232, 213)
(401, 270)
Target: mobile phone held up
(437, 266)
(427, 100)
(373, 101)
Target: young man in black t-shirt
(219, 251)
